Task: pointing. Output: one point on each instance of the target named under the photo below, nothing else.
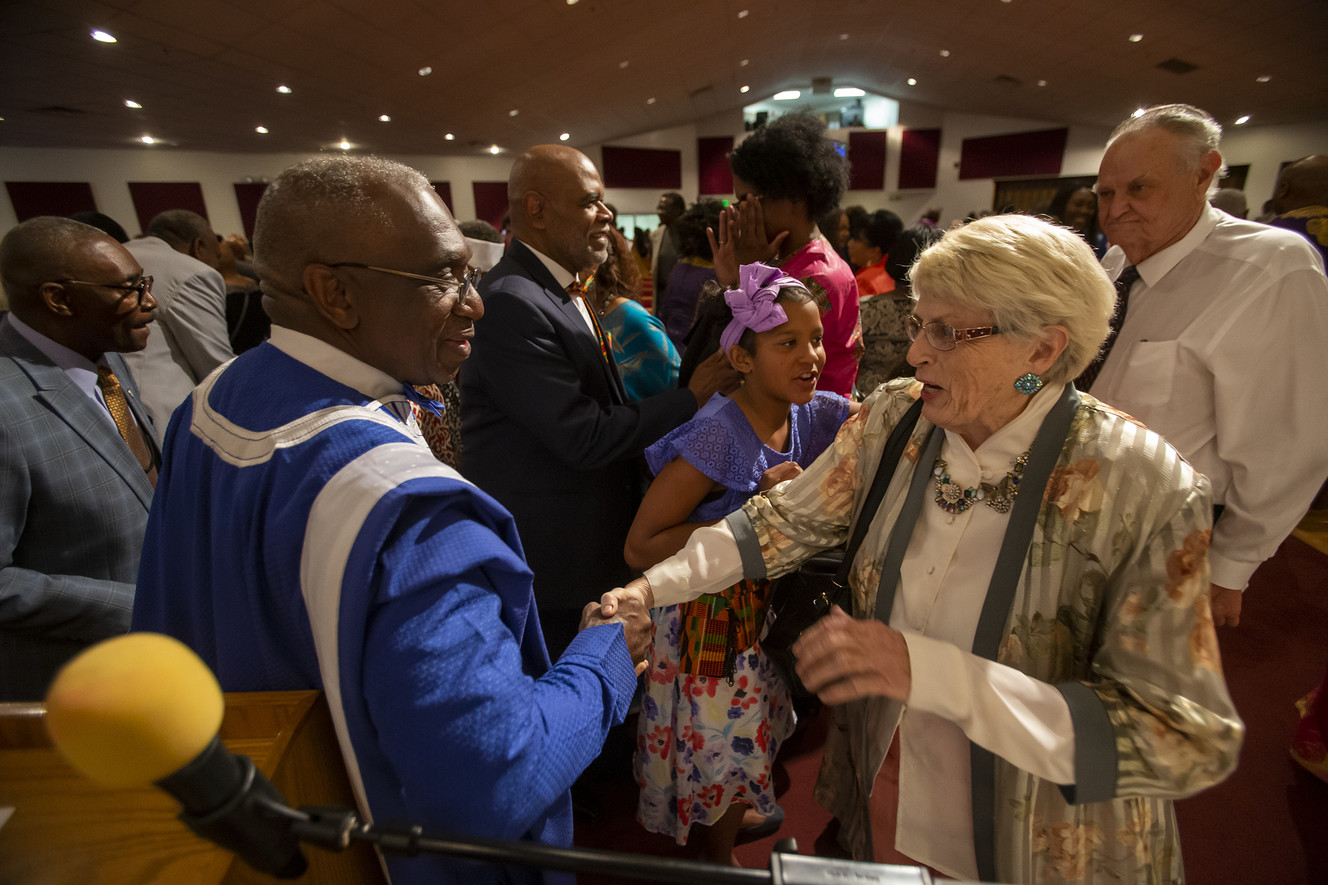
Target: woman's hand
(842, 659)
(721, 245)
(777, 474)
(747, 225)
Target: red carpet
(1267, 823)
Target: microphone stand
(335, 829)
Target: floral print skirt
(703, 742)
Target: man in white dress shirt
(180, 251)
(1221, 346)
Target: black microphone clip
(229, 802)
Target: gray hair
(1197, 127)
(318, 209)
(1030, 274)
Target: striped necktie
(578, 289)
(118, 406)
(1126, 279)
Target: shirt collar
(1153, 268)
(79, 368)
(334, 362)
(563, 276)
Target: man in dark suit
(77, 453)
(546, 426)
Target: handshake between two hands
(629, 606)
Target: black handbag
(801, 598)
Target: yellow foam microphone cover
(133, 709)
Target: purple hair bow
(753, 302)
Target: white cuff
(707, 564)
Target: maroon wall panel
(919, 155)
(152, 197)
(712, 162)
(642, 167)
(1023, 153)
(444, 191)
(490, 201)
(247, 195)
(866, 161)
(33, 198)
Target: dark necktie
(118, 406)
(1123, 283)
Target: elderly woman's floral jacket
(1113, 596)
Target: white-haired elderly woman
(1030, 674)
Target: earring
(1028, 384)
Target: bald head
(1303, 183)
(76, 285)
(42, 250)
(187, 232)
(556, 201)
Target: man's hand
(713, 375)
(629, 606)
(1225, 603)
(777, 474)
(842, 659)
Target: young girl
(715, 710)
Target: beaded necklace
(954, 498)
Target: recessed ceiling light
(1262, 78)
(843, 36)
(148, 139)
(945, 53)
(565, 136)
(261, 130)
(745, 89)
(650, 101)
(1138, 112)
(742, 13)
(624, 63)
(426, 71)
(1042, 82)
(103, 37)
(384, 118)
(130, 103)
(513, 112)
(1135, 38)
(912, 82)
(284, 90)
(344, 145)
(494, 149)
(849, 92)
(787, 95)
(1241, 121)
(572, 2)
(449, 137)
(744, 63)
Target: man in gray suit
(181, 252)
(75, 480)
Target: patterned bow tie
(429, 405)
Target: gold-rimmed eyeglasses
(944, 336)
(463, 287)
(139, 287)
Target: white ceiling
(206, 71)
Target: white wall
(108, 171)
